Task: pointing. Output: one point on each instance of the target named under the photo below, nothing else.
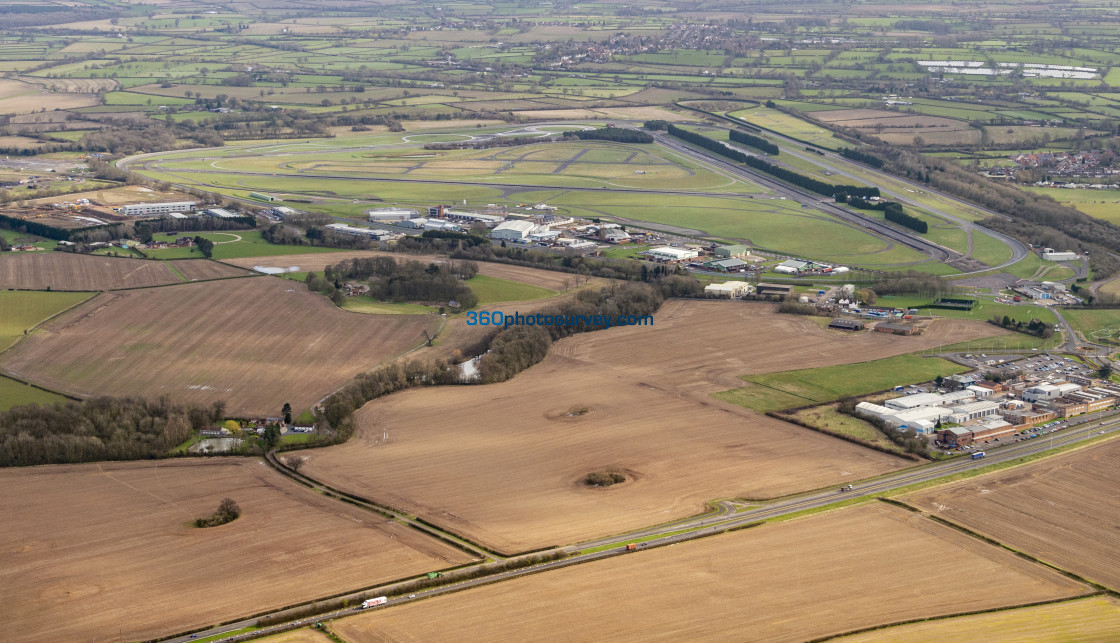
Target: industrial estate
(372, 321)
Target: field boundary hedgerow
(924, 619)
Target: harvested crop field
(507, 470)
(205, 270)
(255, 343)
(69, 271)
(1085, 619)
(317, 262)
(1062, 509)
(118, 548)
(789, 581)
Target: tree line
(808, 182)
(894, 213)
(506, 352)
(1030, 218)
(861, 156)
(101, 428)
(616, 134)
(754, 141)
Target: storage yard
(791, 581)
(118, 553)
(255, 343)
(636, 398)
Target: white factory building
(922, 419)
(359, 232)
(388, 215)
(1050, 254)
(513, 230)
(728, 289)
(144, 209)
(666, 253)
(221, 213)
(913, 401)
(1047, 392)
(973, 411)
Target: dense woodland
(100, 428)
(403, 281)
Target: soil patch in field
(118, 548)
(1062, 509)
(503, 463)
(255, 343)
(790, 581)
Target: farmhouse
(144, 209)
(513, 230)
(729, 289)
(667, 254)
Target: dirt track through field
(255, 343)
(117, 552)
(791, 581)
(504, 463)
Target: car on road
(412, 595)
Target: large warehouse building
(146, 209)
(513, 230)
(392, 214)
(665, 253)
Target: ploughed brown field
(1062, 509)
(790, 581)
(255, 343)
(68, 271)
(504, 463)
(88, 549)
(316, 262)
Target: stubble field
(118, 548)
(69, 271)
(791, 581)
(255, 343)
(1062, 510)
(504, 464)
(1086, 619)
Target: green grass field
(828, 418)
(777, 391)
(492, 290)
(369, 305)
(22, 310)
(1093, 324)
(13, 393)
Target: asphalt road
(723, 518)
